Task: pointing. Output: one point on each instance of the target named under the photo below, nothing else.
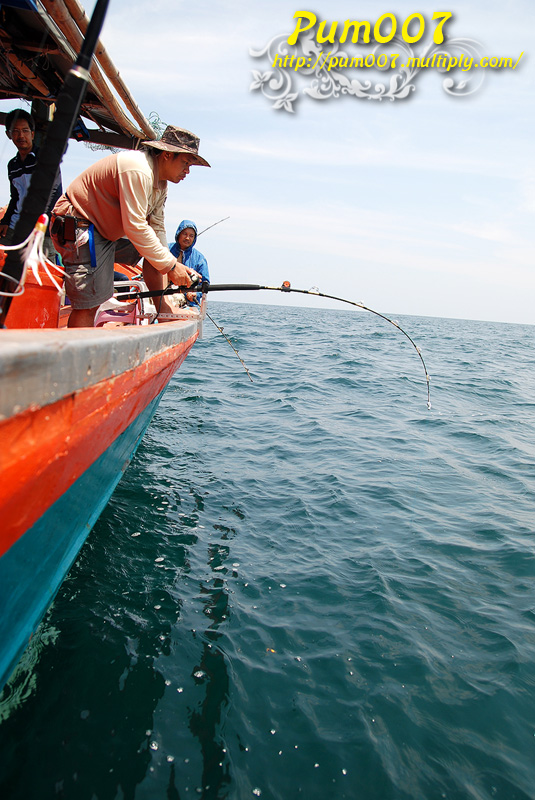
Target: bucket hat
(179, 140)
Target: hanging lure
(33, 258)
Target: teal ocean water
(309, 586)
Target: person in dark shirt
(20, 128)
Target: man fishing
(184, 249)
(122, 197)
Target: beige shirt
(122, 196)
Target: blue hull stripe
(33, 569)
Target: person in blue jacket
(184, 250)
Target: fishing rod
(212, 226)
(51, 152)
(206, 287)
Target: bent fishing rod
(206, 287)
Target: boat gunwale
(40, 366)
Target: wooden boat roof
(39, 40)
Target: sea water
(309, 585)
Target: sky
(421, 205)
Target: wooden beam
(63, 19)
(80, 17)
(96, 136)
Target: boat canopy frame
(39, 40)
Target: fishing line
(222, 332)
(286, 287)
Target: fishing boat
(74, 403)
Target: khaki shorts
(88, 285)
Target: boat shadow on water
(121, 624)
